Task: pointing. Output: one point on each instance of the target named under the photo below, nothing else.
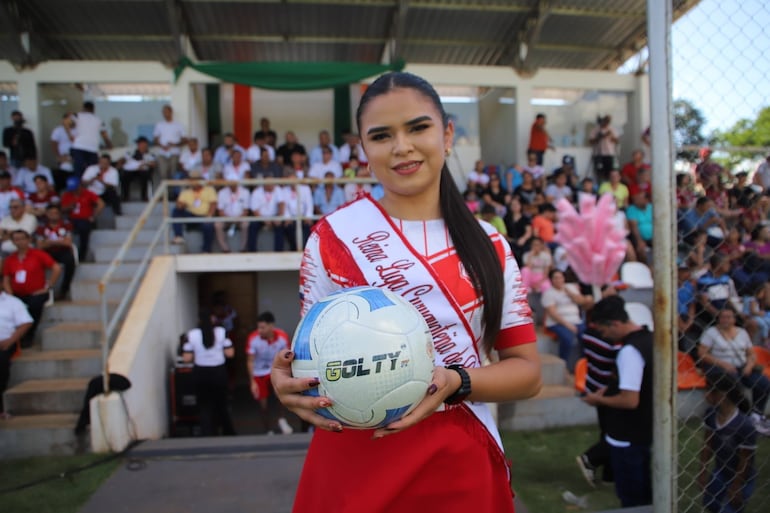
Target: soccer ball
(372, 352)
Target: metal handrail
(110, 324)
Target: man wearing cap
(137, 165)
(19, 219)
(91, 131)
(81, 206)
(103, 180)
(170, 136)
(19, 140)
(7, 193)
(198, 200)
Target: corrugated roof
(592, 34)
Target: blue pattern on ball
(323, 412)
(394, 415)
(302, 339)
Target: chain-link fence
(721, 72)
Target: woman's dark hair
(206, 327)
(476, 251)
(723, 382)
(553, 271)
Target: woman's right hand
(730, 368)
(289, 390)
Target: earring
(448, 152)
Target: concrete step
(24, 436)
(95, 271)
(62, 364)
(118, 237)
(72, 335)
(38, 396)
(135, 208)
(554, 406)
(553, 370)
(128, 222)
(71, 311)
(133, 254)
(88, 290)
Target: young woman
(207, 347)
(446, 455)
(562, 302)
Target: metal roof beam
(527, 36)
(19, 34)
(174, 10)
(391, 51)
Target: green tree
(746, 132)
(688, 126)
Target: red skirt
(448, 462)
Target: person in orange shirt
(539, 140)
(543, 224)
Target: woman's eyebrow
(411, 122)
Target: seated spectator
(265, 168)
(568, 168)
(689, 332)
(284, 151)
(562, 302)
(703, 217)
(18, 219)
(697, 255)
(266, 201)
(354, 190)
(640, 222)
(207, 167)
(537, 264)
(223, 154)
(254, 152)
(232, 201)
(297, 165)
(512, 178)
(587, 186)
(198, 200)
(25, 175)
(630, 170)
(478, 179)
(685, 195)
(54, 237)
(237, 169)
(527, 191)
(324, 140)
(716, 192)
(496, 195)
(532, 167)
(757, 307)
(350, 169)
(617, 188)
(328, 197)
(352, 149)
(488, 213)
(267, 133)
(103, 180)
(519, 226)
(733, 247)
(43, 196)
(24, 276)
(327, 164)
(299, 202)
(727, 348)
(191, 156)
(559, 189)
(15, 321)
(761, 175)
(716, 290)
(642, 184)
(138, 165)
(7, 193)
(472, 201)
(544, 224)
(82, 207)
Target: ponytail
(207, 329)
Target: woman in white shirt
(562, 303)
(726, 347)
(208, 347)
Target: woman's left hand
(444, 384)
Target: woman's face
(405, 141)
(557, 280)
(726, 318)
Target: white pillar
(525, 115)
(29, 103)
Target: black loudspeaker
(183, 401)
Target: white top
(233, 204)
(345, 153)
(478, 178)
(214, 356)
(316, 154)
(763, 171)
(730, 351)
(89, 132)
(536, 171)
(109, 177)
(303, 206)
(133, 164)
(5, 200)
(630, 368)
(254, 153)
(319, 169)
(25, 178)
(13, 313)
(62, 140)
(604, 146)
(565, 307)
(28, 223)
(232, 172)
(266, 203)
(264, 351)
(169, 133)
(189, 160)
(222, 154)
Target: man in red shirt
(81, 206)
(55, 238)
(24, 276)
(629, 170)
(539, 140)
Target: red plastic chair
(763, 359)
(581, 369)
(687, 376)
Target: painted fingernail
(336, 428)
(314, 383)
(288, 355)
(432, 389)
